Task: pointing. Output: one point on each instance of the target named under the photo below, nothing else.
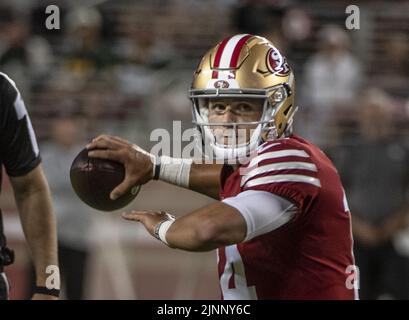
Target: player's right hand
(138, 163)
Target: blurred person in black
(19, 154)
(376, 178)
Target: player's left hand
(148, 218)
(39, 296)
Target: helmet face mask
(229, 133)
(235, 110)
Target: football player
(281, 226)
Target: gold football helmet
(244, 66)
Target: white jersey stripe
(278, 166)
(278, 154)
(228, 51)
(283, 178)
(267, 146)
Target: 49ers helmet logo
(221, 84)
(277, 63)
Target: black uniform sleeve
(18, 146)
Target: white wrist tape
(154, 162)
(175, 170)
(163, 229)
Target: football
(93, 180)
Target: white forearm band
(163, 229)
(175, 170)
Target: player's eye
(217, 108)
(244, 109)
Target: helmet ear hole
(288, 109)
(288, 89)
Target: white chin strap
(226, 153)
(232, 154)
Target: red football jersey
(309, 257)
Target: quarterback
(281, 227)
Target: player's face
(239, 111)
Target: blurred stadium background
(123, 67)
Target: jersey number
(234, 263)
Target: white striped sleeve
(282, 166)
(286, 171)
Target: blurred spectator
(392, 73)
(142, 55)
(25, 57)
(376, 177)
(296, 24)
(331, 81)
(141, 46)
(85, 49)
(74, 219)
(397, 49)
(257, 16)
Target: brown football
(93, 180)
